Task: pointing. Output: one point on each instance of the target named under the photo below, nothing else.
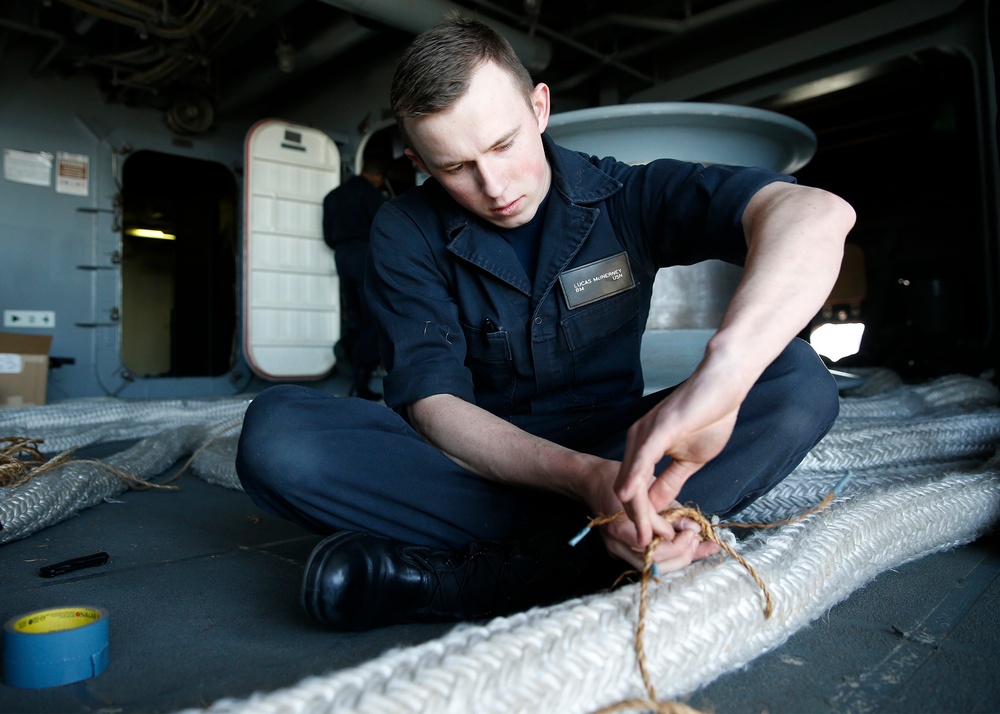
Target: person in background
(511, 290)
(348, 212)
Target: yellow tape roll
(47, 648)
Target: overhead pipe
(408, 15)
(144, 28)
(333, 41)
(58, 41)
(415, 16)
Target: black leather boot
(357, 581)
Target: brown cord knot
(708, 532)
(21, 460)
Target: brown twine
(708, 532)
(226, 427)
(21, 460)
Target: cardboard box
(24, 369)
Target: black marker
(68, 566)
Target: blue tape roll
(48, 648)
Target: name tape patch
(596, 281)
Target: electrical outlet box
(43, 319)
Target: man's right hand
(680, 542)
(497, 450)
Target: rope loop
(709, 533)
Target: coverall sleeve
(422, 344)
(677, 213)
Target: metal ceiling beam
(695, 21)
(415, 16)
(852, 31)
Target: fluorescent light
(828, 85)
(837, 340)
(150, 233)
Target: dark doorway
(904, 147)
(178, 266)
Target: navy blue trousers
(333, 463)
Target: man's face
(486, 150)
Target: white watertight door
(291, 302)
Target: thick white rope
(880, 455)
(81, 422)
(921, 482)
(702, 622)
(54, 496)
(169, 430)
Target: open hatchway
(185, 308)
(178, 266)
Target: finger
(668, 484)
(682, 541)
(644, 447)
(667, 530)
(686, 524)
(706, 549)
(686, 557)
(640, 513)
(648, 522)
(631, 477)
(676, 555)
(671, 565)
(618, 549)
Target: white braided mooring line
(702, 621)
(54, 496)
(895, 401)
(103, 419)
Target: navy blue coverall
(556, 353)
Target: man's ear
(540, 103)
(415, 158)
